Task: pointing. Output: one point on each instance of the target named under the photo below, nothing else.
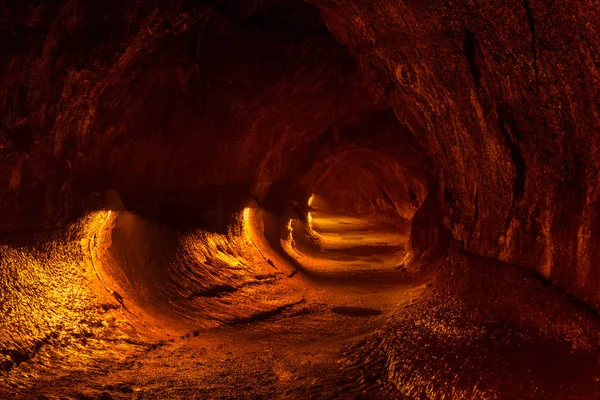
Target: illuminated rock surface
(276, 199)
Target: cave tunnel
(257, 199)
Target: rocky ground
(396, 335)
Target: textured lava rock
(504, 97)
(185, 109)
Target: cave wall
(504, 96)
(371, 184)
(185, 108)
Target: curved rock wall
(369, 183)
(184, 109)
(504, 96)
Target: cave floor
(294, 354)
(379, 335)
(351, 250)
(309, 351)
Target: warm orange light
(246, 224)
(310, 199)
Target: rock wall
(185, 109)
(368, 183)
(504, 96)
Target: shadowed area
(356, 311)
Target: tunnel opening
(358, 218)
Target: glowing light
(310, 199)
(309, 221)
(246, 223)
